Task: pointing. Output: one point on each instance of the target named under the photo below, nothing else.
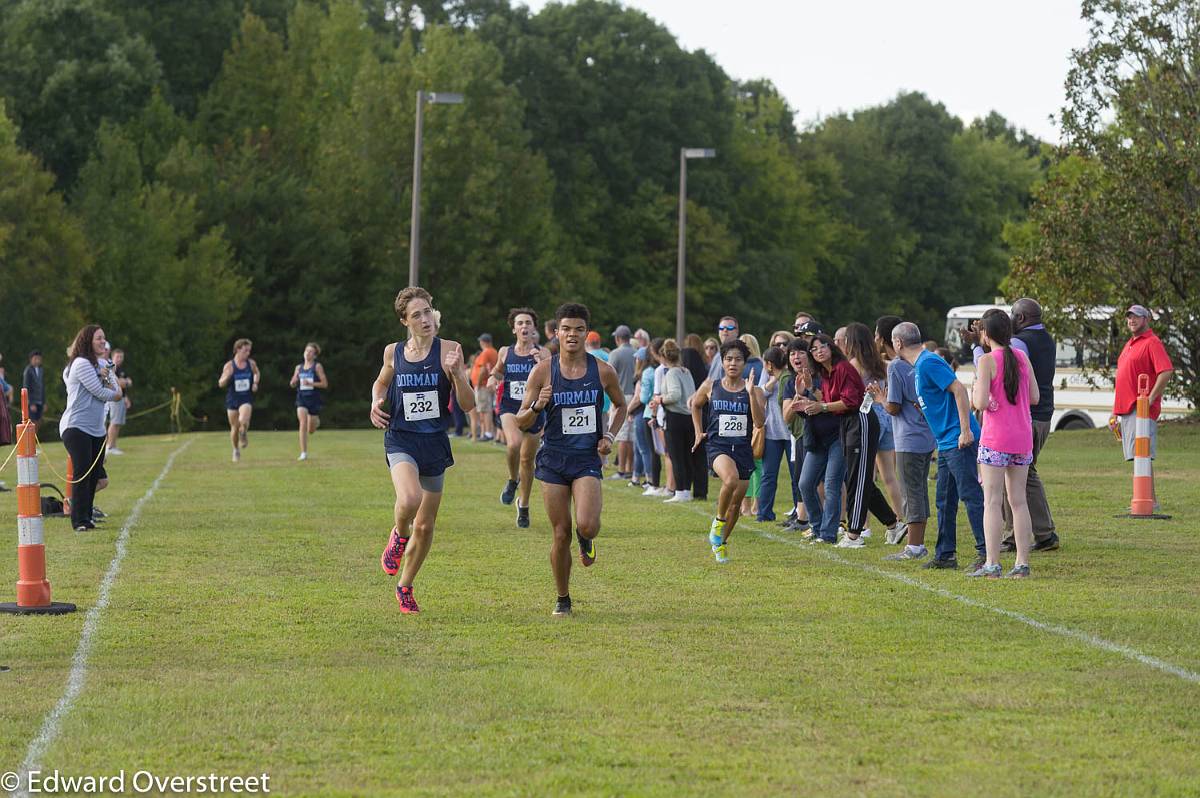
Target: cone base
(53, 608)
(1151, 516)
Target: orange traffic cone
(33, 591)
(1142, 505)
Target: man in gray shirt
(34, 381)
(621, 359)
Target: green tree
(309, 143)
(65, 66)
(610, 97)
(164, 285)
(929, 201)
(1119, 221)
(190, 38)
(44, 259)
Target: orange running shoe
(408, 604)
(393, 553)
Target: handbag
(758, 442)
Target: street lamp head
(699, 152)
(445, 98)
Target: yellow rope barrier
(175, 403)
(16, 446)
(50, 465)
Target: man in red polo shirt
(1144, 353)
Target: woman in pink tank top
(1003, 392)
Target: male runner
(513, 365)
(415, 380)
(240, 378)
(570, 388)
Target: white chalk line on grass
(1052, 628)
(53, 722)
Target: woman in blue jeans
(824, 460)
(645, 459)
(778, 437)
(799, 374)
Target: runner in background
(309, 380)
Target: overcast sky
(974, 56)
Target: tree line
(187, 174)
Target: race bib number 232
(421, 406)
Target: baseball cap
(623, 331)
(485, 337)
(593, 337)
(1138, 310)
(809, 328)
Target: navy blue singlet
(420, 392)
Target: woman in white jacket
(678, 387)
(89, 387)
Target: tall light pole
(685, 154)
(414, 238)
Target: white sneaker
(237, 455)
(650, 491)
(115, 450)
(303, 456)
(866, 533)
(848, 542)
(895, 533)
(680, 496)
(665, 492)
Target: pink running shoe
(393, 553)
(408, 604)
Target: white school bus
(1083, 397)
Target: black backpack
(52, 507)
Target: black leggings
(655, 459)
(861, 438)
(84, 449)
(680, 438)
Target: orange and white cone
(1142, 505)
(33, 590)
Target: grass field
(251, 629)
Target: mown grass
(251, 630)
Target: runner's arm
(379, 388)
(699, 399)
(295, 377)
(226, 374)
(321, 381)
(537, 395)
(612, 387)
(257, 376)
(758, 407)
(455, 364)
(493, 381)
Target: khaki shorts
(626, 432)
(1129, 433)
(485, 399)
(913, 468)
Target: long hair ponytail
(999, 330)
